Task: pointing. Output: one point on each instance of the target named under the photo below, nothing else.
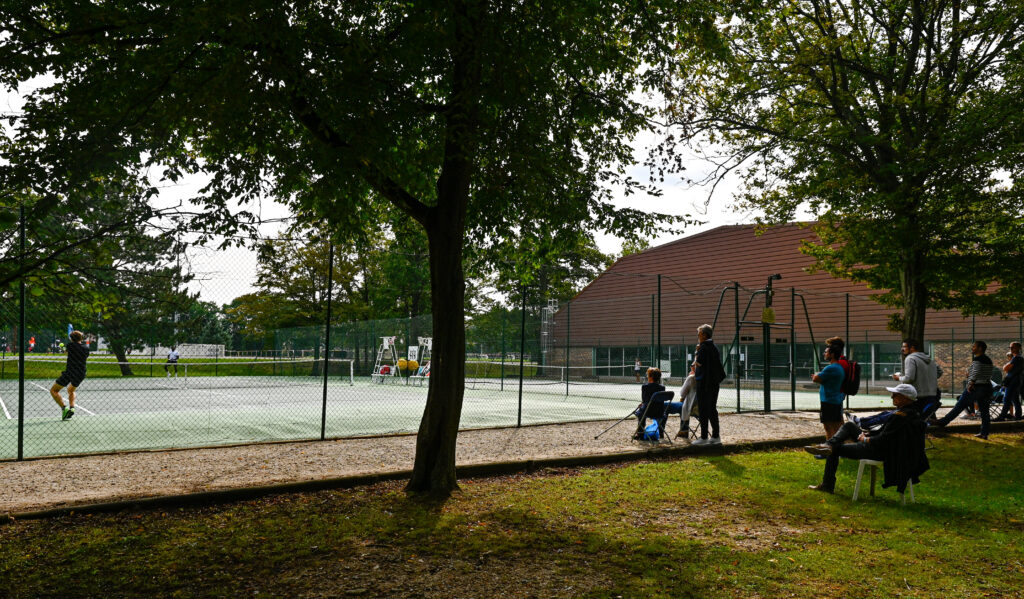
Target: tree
(475, 119)
(896, 123)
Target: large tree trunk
(122, 358)
(434, 468)
(915, 298)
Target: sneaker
(851, 418)
(65, 413)
(715, 441)
(824, 449)
(821, 488)
(981, 436)
(682, 434)
(700, 442)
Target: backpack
(851, 378)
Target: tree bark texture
(915, 298)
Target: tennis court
(286, 402)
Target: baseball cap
(903, 389)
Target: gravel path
(59, 482)
(72, 481)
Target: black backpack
(851, 378)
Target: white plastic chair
(874, 465)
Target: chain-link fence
(186, 355)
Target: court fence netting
(269, 364)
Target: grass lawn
(740, 526)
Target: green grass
(735, 526)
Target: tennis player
(172, 358)
(73, 375)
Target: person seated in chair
(899, 445)
(647, 390)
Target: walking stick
(632, 412)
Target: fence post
(952, 361)
(736, 341)
(502, 382)
(792, 349)
(568, 334)
(657, 362)
(849, 344)
(21, 332)
(327, 336)
(522, 348)
(651, 346)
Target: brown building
(649, 305)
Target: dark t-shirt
(1013, 376)
(78, 353)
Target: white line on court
(77, 405)
(4, 406)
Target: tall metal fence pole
(522, 351)
(568, 335)
(502, 382)
(327, 337)
(651, 346)
(736, 341)
(21, 333)
(849, 345)
(657, 362)
(792, 348)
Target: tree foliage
(470, 117)
(896, 123)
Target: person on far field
(978, 389)
(830, 393)
(1011, 383)
(32, 343)
(638, 369)
(708, 374)
(172, 360)
(73, 375)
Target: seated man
(926, 406)
(899, 444)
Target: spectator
(830, 393)
(977, 390)
(1011, 384)
(708, 374)
(647, 390)
(920, 371)
(899, 445)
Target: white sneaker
(700, 442)
(714, 441)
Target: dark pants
(982, 394)
(1012, 400)
(841, 449)
(881, 417)
(707, 411)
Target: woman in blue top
(831, 379)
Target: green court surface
(228, 410)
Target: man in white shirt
(172, 358)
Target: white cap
(903, 389)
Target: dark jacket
(900, 442)
(710, 373)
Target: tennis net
(482, 374)
(109, 375)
